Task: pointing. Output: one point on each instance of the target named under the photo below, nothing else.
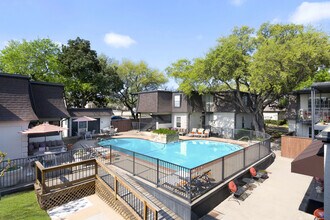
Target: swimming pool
(189, 153)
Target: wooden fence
(292, 146)
(122, 125)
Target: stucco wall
(12, 141)
(224, 119)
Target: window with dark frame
(177, 101)
(178, 122)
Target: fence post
(133, 163)
(110, 154)
(189, 191)
(223, 168)
(96, 167)
(116, 187)
(244, 157)
(145, 210)
(259, 150)
(157, 181)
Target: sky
(158, 32)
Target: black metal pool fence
(188, 183)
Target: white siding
(224, 119)
(12, 141)
(105, 121)
(302, 130)
(304, 101)
(184, 120)
(292, 125)
(247, 120)
(270, 115)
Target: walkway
(277, 198)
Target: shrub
(164, 131)
(276, 122)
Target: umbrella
(84, 118)
(43, 129)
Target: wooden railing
(51, 182)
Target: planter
(165, 138)
(12, 177)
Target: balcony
(305, 115)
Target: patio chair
(237, 191)
(199, 133)
(193, 132)
(206, 133)
(260, 176)
(88, 135)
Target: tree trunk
(258, 121)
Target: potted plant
(10, 174)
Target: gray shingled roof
(15, 104)
(90, 112)
(48, 101)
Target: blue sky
(158, 32)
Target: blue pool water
(190, 153)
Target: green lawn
(21, 205)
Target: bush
(275, 122)
(164, 131)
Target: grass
(21, 205)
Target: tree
(137, 77)
(37, 59)
(266, 64)
(80, 66)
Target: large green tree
(137, 77)
(266, 64)
(79, 66)
(37, 59)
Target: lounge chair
(260, 175)
(206, 133)
(193, 132)
(237, 191)
(199, 133)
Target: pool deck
(276, 198)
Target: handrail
(146, 201)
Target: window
(242, 121)
(178, 122)
(82, 124)
(177, 101)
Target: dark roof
(15, 104)
(48, 102)
(322, 86)
(90, 112)
(308, 162)
(152, 91)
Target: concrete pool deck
(276, 198)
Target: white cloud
(237, 2)
(118, 40)
(308, 12)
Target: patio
(277, 198)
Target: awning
(308, 162)
(43, 128)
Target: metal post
(110, 154)
(133, 163)
(223, 168)
(244, 157)
(259, 150)
(313, 110)
(157, 181)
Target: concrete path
(277, 198)
(88, 208)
